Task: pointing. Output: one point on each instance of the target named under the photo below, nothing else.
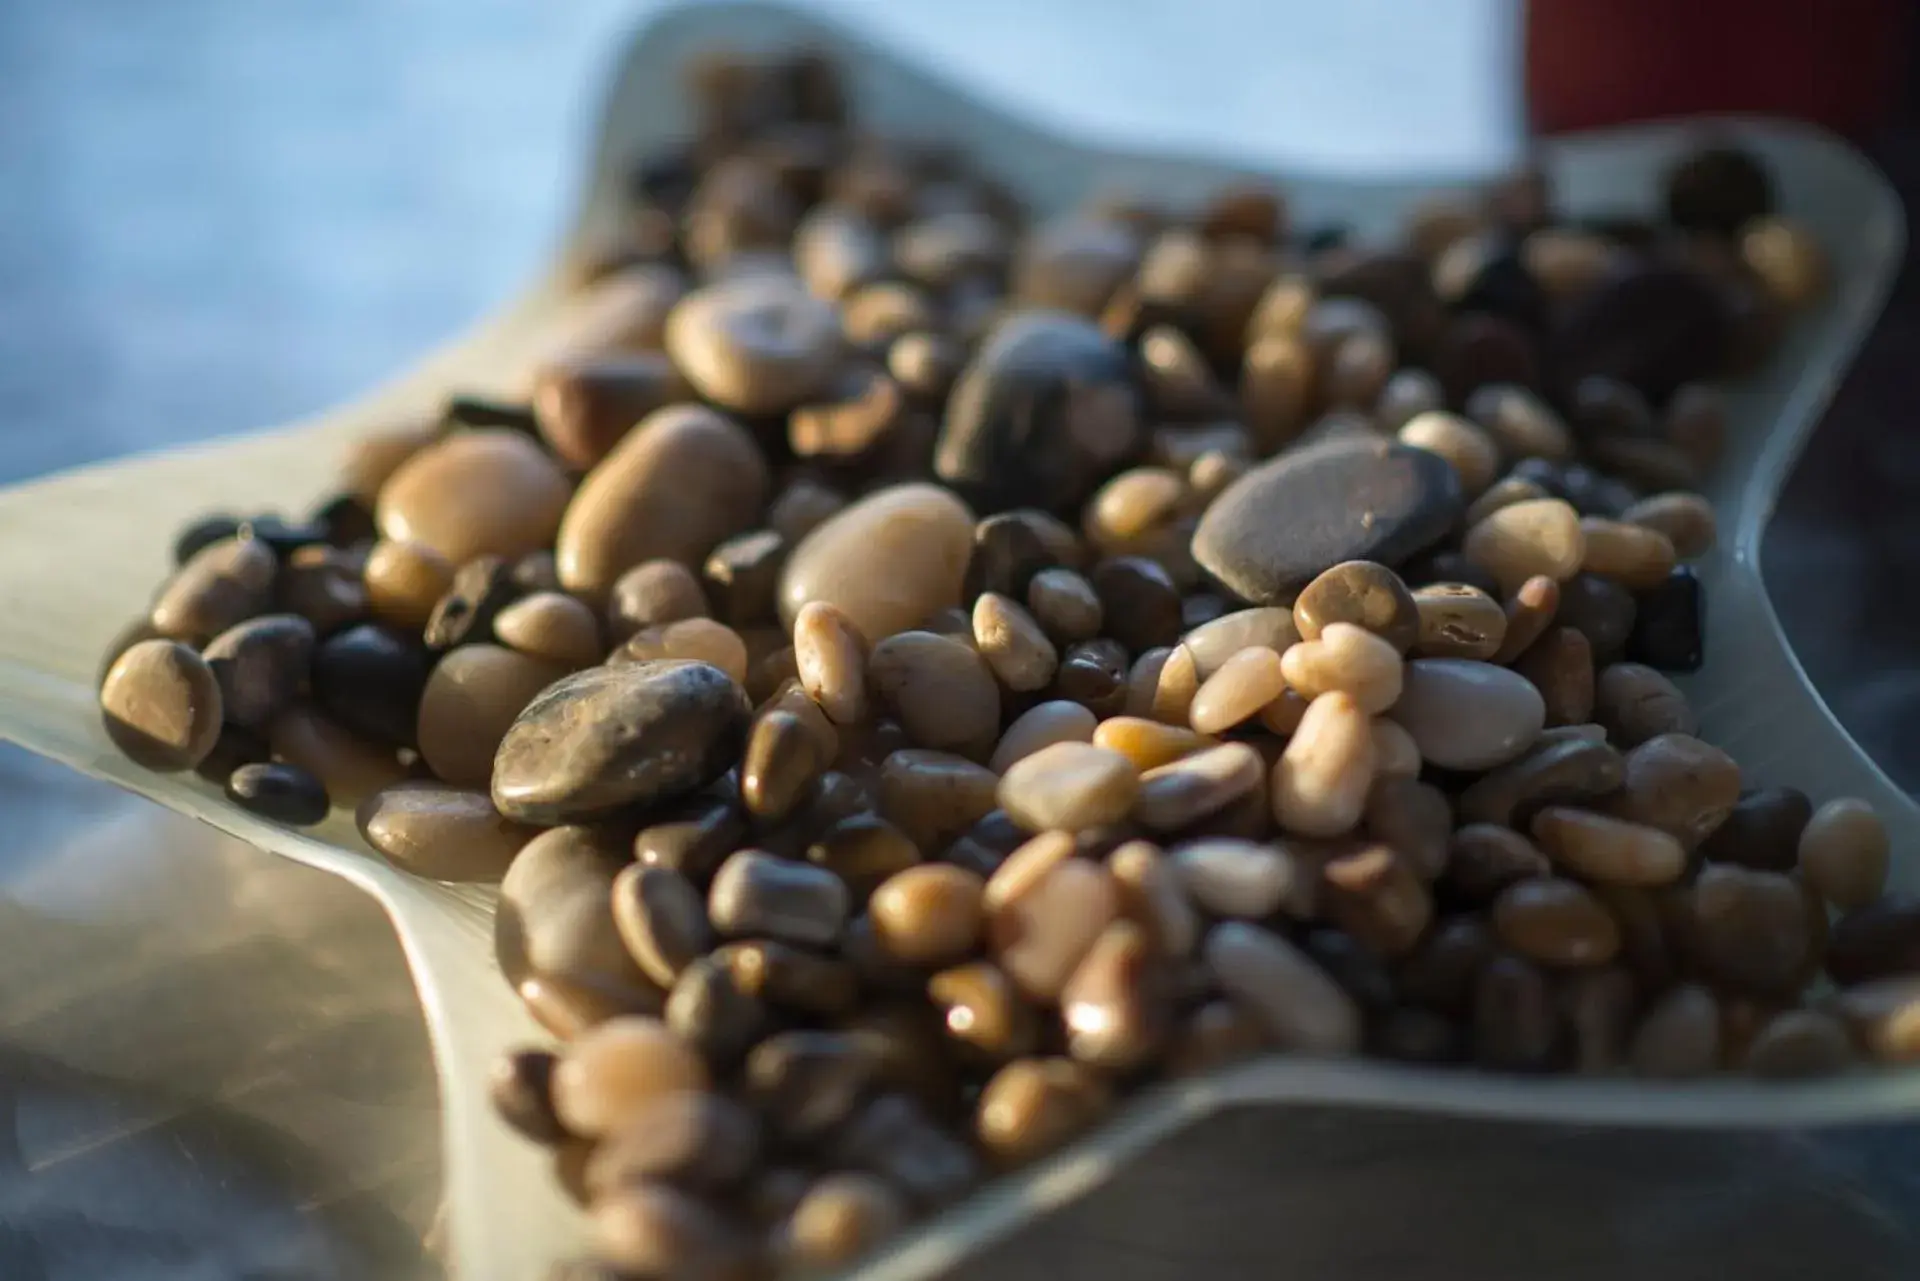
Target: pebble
(1208, 646)
(928, 916)
(982, 1011)
(1514, 1022)
(470, 700)
(224, 583)
(1153, 896)
(1797, 1044)
(1033, 1107)
(681, 482)
(1040, 926)
(662, 919)
(1567, 770)
(830, 658)
(1065, 605)
(691, 639)
(1749, 930)
(585, 403)
(1041, 415)
(1560, 666)
(1516, 542)
(1183, 792)
(1378, 898)
(552, 627)
(1763, 830)
(1459, 621)
(783, 760)
(1608, 850)
(1483, 859)
(692, 1139)
(520, 1087)
(1345, 658)
(1678, 784)
(1679, 1037)
(653, 593)
(1879, 939)
(1395, 754)
(490, 491)
(1555, 922)
(609, 1075)
(1412, 817)
(161, 705)
(1844, 853)
(935, 796)
(1686, 520)
(1238, 879)
(1148, 744)
(1321, 780)
(940, 690)
(1042, 726)
(481, 589)
(1236, 692)
(712, 1012)
(283, 793)
(886, 562)
(1667, 630)
(1601, 610)
(841, 1218)
(755, 895)
(758, 344)
(657, 1230)
(1635, 703)
(1467, 715)
(1293, 1000)
(1465, 447)
(1884, 1018)
(1116, 1006)
(601, 740)
(262, 666)
(350, 767)
(1289, 520)
(1068, 786)
(439, 832)
(742, 576)
(1363, 594)
(371, 679)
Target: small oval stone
(613, 1072)
(841, 1218)
(283, 793)
(982, 1011)
(1345, 658)
(1041, 726)
(886, 562)
(553, 627)
(1467, 715)
(1032, 1107)
(1148, 744)
(757, 344)
(1459, 621)
(1609, 850)
(662, 919)
(1555, 922)
(224, 583)
(1181, 793)
(1210, 645)
(442, 833)
(1116, 1006)
(1845, 853)
(1321, 780)
(940, 690)
(830, 657)
(1068, 786)
(473, 696)
(1013, 644)
(1040, 930)
(262, 666)
(1517, 542)
(161, 705)
(755, 894)
(1678, 784)
(1236, 692)
(350, 767)
(1293, 1000)
(1238, 878)
(928, 915)
(1362, 593)
(1800, 1043)
(935, 796)
(1637, 703)
(489, 491)
(1679, 1037)
(691, 1139)
(1153, 896)
(600, 740)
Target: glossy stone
(887, 562)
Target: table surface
(216, 215)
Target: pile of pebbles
(921, 674)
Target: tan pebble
(1458, 621)
(1278, 381)
(1360, 593)
(1183, 792)
(1884, 1016)
(1800, 1043)
(1520, 423)
(757, 344)
(1065, 605)
(1320, 782)
(481, 492)
(934, 796)
(1013, 643)
(1609, 850)
(474, 694)
(940, 690)
(351, 767)
(1556, 922)
(1471, 453)
(1560, 666)
(1033, 1107)
(551, 626)
(224, 583)
(442, 833)
(1466, 715)
(1069, 786)
(1502, 493)
(886, 562)
(1679, 784)
(1348, 659)
(658, 1230)
(1395, 754)
(1211, 644)
(1377, 896)
(1040, 727)
(694, 638)
(374, 457)
(1236, 692)
(841, 1218)
(1687, 521)
(653, 594)
(1235, 878)
(1116, 1006)
(616, 1069)
(1679, 1037)
(1147, 743)
(1153, 897)
(1788, 259)
(1039, 936)
(681, 482)
(1026, 865)
(404, 581)
(1637, 557)
(1293, 1000)
(161, 705)
(1530, 611)
(1513, 544)
(1845, 853)
(1163, 690)
(1133, 506)
(830, 659)
(929, 915)
(1284, 714)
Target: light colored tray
(87, 549)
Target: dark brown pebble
(555, 917)
(782, 762)
(662, 920)
(983, 1012)
(1602, 611)
(1598, 1005)
(807, 1082)
(863, 850)
(1010, 547)
(1287, 521)
(444, 833)
(1442, 972)
(224, 583)
(1376, 896)
(369, 678)
(693, 838)
(757, 895)
(1476, 349)
(1718, 189)
(1876, 941)
(692, 1139)
(262, 666)
(1650, 325)
(1560, 666)
(1762, 831)
(1515, 1028)
(1485, 858)
(1413, 1035)
(709, 1011)
(1094, 674)
(1554, 772)
(893, 1137)
(521, 1087)
(1635, 703)
(160, 704)
(323, 585)
(1749, 930)
(607, 738)
(742, 575)
(791, 978)
(203, 533)
(583, 405)
(1363, 593)
(283, 793)
(1413, 817)
(1140, 603)
(1353, 965)
(1668, 635)
(983, 847)
(482, 587)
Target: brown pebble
(611, 1073)
(941, 690)
(1209, 646)
(782, 761)
(1485, 858)
(659, 1230)
(757, 895)
(1153, 896)
(1440, 973)
(1458, 621)
(1177, 795)
(1609, 850)
(1515, 543)
(863, 850)
(757, 344)
(1412, 817)
(1559, 771)
(1395, 754)
(1039, 931)
(691, 639)
(442, 833)
(1236, 692)
(1844, 853)
(1239, 879)
(1687, 521)
(261, 666)
(1638, 557)
(662, 919)
(711, 1011)
(1748, 929)
(1469, 450)
(1295, 1002)
(886, 562)
(1065, 605)
(830, 657)
(1514, 1025)
(934, 796)
(351, 768)
(1502, 493)
(585, 402)
(375, 456)
(1679, 1037)
(982, 1012)
(1789, 262)
(695, 1140)
(1362, 593)
(1039, 727)
(1094, 674)
(1115, 1006)
(742, 575)
(928, 915)
(487, 491)
(1879, 939)
(1033, 1107)
(224, 583)
(1560, 666)
(520, 1087)
(473, 696)
(1214, 1035)
(1637, 703)
(1377, 896)
(1530, 611)
(161, 706)
(1555, 922)
(404, 581)
(841, 1218)
(653, 594)
(1013, 643)
(1884, 1017)
(552, 627)
(1068, 786)
(1796, 1044)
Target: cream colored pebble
(1844, 853)
(1395, 754)
(1517, 542)
(1244, 684)
(1345, 658)
(1152, 897)
(831, 658)
(1468, 449)
(1635, 556)
(1013, 643)
(1320, 781)
(1040, 726)
(1787, 258)
(1283, 714)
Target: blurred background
(217, 215)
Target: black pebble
(283, 793)
(344, 521)
(472, 411)
(742, 575)
(1450, 567)
(1320, 239)
(1651, 325)
(284, 536)
(370, 678)
(1007, 552)
(481, 589)
(1504, 287)
(1362, 973)
(203, 533)
(1762, 830)
(1140, 603)
(1719, 190)
(1594, 493)
(521, 1087)
(1668, 635)
(1601, 610)
(235, 747)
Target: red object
(1591, 63)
